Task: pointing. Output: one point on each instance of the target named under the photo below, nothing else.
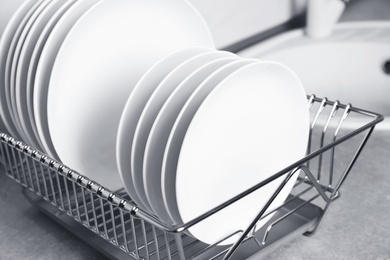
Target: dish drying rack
(115, 226)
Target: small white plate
(32, 67)
(12, 29)
(133, 110)
(178, 131)
(100, 62)
(159, 133)
(252, 125)
(45, 67)
(150, 111)
(21, 68)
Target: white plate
(149, 114)
(252, 125)
(45, 66)
(8, 8)
(33, 64)
(21, 68)
(14, 64)
(99, 63)
(12, 60)
(177, 133)
(11, 30)
(134, 107)
(159, 133)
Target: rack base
(85, 234)
(291, 227)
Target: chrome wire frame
(117, 219)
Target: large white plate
(149, 113)
(252, 125)
(45, 66)
(33, 64)
(14, 60)
(99, 63)
(11, 30)
(21, 68)
(159, 133)
(177, 133)
(134, 107)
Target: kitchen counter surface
(357, 226)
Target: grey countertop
(26, 233)
(357, 226)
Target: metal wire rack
(113, 224)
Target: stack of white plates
(199, 127)
(67, 68)
(202, 126)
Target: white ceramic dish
(14, 64)
(8, 8)
(152, 192)
(133, 110)
(32, 68)
(5, 44)
(229, 148)
(100, 62)
(22, 65)
(178, 131)
(45, 67)
(149, 114)
(159, 133)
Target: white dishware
(178, 131)
(238, 138)
(149, 113)
(45, 66)
(159, 133)
(13, 64)
(6, 41)
(32, 69)
(133, 109)
(22, 65)
(8, 8)
(100, 62)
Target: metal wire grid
(116, 218)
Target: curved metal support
(233, 249)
